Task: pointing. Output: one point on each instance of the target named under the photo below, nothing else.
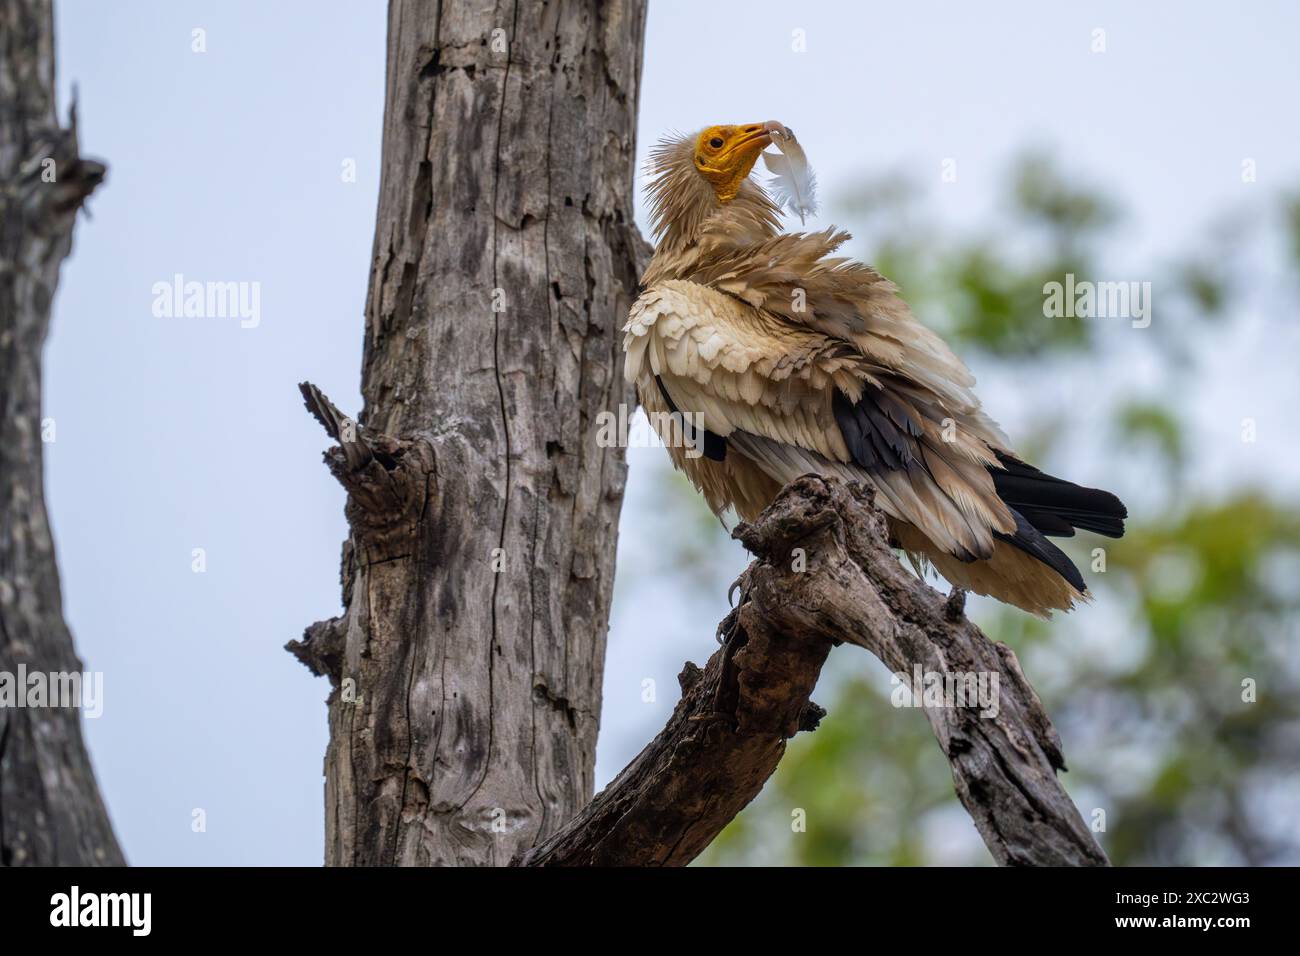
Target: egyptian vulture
(779, 358)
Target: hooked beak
(755, 137)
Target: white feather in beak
(794, 185)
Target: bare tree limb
(727, 734)
(721, 744)
(51, 813)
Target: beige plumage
(796, 360)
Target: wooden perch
(728, 732)
(723, 741)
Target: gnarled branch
(388, 481)
(727, 734)
(723, 741)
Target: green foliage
(985, 290)
(1150, 422)
(1216, 698)
(1206, 286)
(1291, 218)
(1043, 193)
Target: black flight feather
(1031, 541)
(875, 430)
(714, 445)
(1054, 506)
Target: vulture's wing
(796, 277)
(795, 399)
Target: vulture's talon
(726, 627)
(741, 586)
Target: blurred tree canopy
(1176, 694)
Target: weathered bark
(50, 808)
(727, 734)
(722, 743)
(478, 572)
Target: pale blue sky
(182, 434)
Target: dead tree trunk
(50, 809)
(478, 571)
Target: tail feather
(1014, 574)
(1054, 506)
(1031, 541)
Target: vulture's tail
(1043, 505)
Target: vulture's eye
(716, 143)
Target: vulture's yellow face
(724, 155)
